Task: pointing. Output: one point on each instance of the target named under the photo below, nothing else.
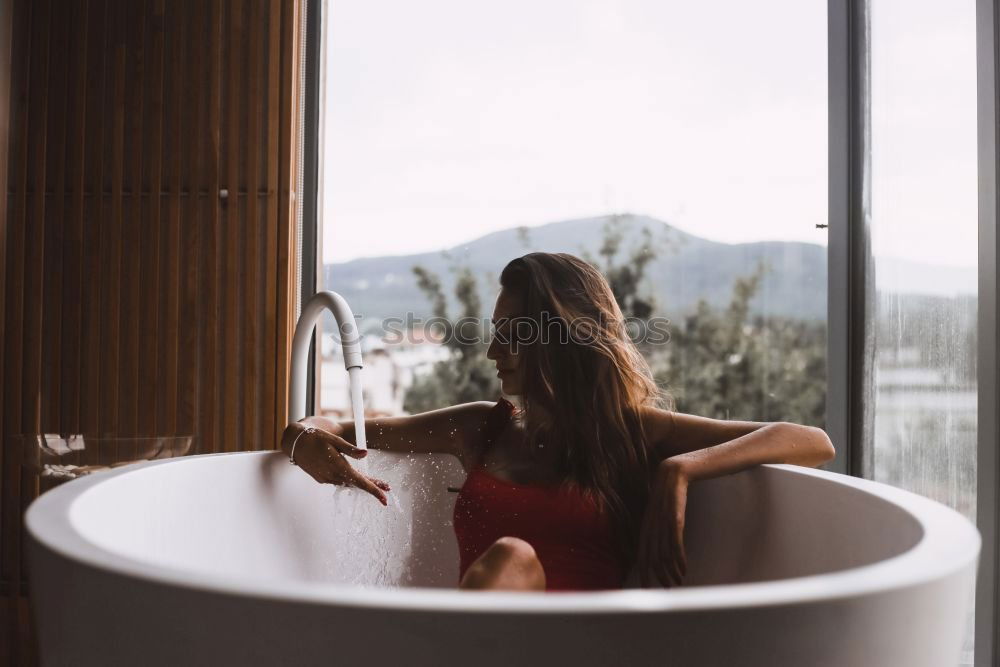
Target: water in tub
(370, 531)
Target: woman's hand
(661, 560)
(321, 454)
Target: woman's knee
(509, 563)
(514, 549)
(518, 558)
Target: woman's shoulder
(483, 410)
(657, 427)
(478, 422)
(656, 421)
(476, 411)
(466, 417)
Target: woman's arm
(690, 448)
(445, 431)
(708, 448)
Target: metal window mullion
(838, 280)
(850, 289)
(309, 177)
(988, 410)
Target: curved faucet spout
(350, 340)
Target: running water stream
(357, 407)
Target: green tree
(729, 365)
(626, 276)
(467, 375)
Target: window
(460, 135)
(923, 220)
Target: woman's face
(502, 350)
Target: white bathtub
(242, 559)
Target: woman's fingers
(680, 505)
(660, 554)
(655, 559)
(648, 548)
(673, 568)
(642, 553)
(649, 570)
(380, 484)
(669, 546)
(345, 447)
(368, 485)
(663, 549)
(660, 557)
(664, 570)
(669, 559)
(680, 558)
(344, 473)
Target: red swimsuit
(574, 541)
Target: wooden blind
(148, 231)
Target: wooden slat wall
(136, 300)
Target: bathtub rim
(948, 544)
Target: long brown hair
(582, 389)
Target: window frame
(847, 230)
(988, 426)
(310, 235)
(849, 259)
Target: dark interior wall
(147, 230)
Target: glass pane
(683, 152)
(924, 239)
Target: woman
(589, 475)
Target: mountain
(686, 268)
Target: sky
(923, 110)
(447, 119)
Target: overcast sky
(447, 119)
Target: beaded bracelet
(291, 455)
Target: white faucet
(350, 340)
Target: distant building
(390, 367)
